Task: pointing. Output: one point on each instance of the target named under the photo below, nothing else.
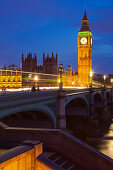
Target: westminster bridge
(53, 106)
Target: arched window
(14, 79)
(3, 79)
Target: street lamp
(58, 80)
(29, 76)
(112, 82)
(73, 83)
(61, 71)
(91, 75)
(104, 76)
(36, 80)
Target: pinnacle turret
(85, 23)
(85, 15)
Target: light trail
(41, 88)
(35, 73)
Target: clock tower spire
(85, 23)
(84, 52)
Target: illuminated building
(84, 52)
(50, 65)
(69, 78)
(30, 64)
(11, 77)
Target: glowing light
(41, 88)
(36, 78)
(73, 83)
(58, 80)
(104, 77)
(29, 75)
(111, 80)
(91, 74)
(18, 89)
(68, 87)
(85, 33)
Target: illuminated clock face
(83, 40)
(91, 41)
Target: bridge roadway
(8, 100)
(55, 104)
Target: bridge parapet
(22, 156)
(63, 142)
(54, 103)
(61, 119)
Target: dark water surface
(104, 144)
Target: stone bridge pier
(61, 118)
(55, 109)
(101, 98)
(91, 102)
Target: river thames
(104, 143)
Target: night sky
(52, 25)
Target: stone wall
(61, 141)
(23, 157)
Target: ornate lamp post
(29, 79)
(104, 76)
(36, 80)
(61, 71)
(112, 82)
(73, 83)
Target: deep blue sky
(52, 25)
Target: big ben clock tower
(84, 52)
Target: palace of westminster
(48, 73)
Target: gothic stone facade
(46, 72)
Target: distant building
(49, 71)
(30, 64)
(50, 64)
(12, 67)
(69, 77)
(10, 77)
(85, 39)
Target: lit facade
(50, 66)
(10, 78)
(84, 53)
(69, 78)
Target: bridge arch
(33, 107)
(108, 95)
(76, 116)
(98, 99)
(80, 100)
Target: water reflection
(104, 144)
